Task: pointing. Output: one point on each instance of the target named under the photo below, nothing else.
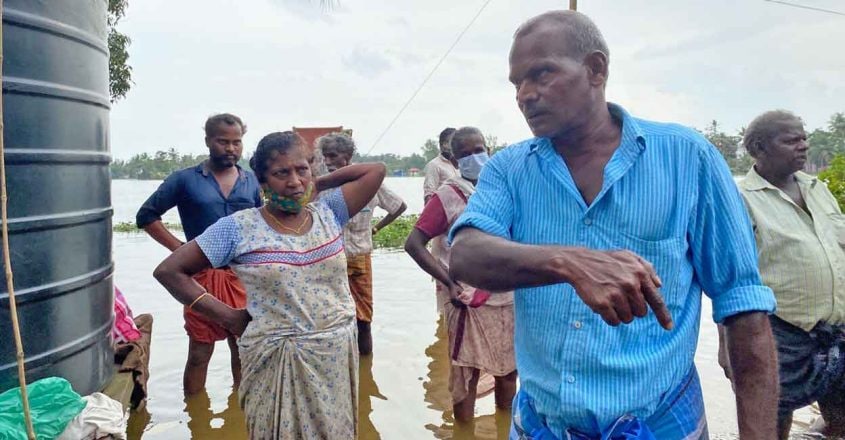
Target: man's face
(446, 149)
(225, 146)
(787, 151)
(335, 159)
(553, 91)
(470, 145)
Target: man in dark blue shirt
(203, 194)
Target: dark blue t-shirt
(196, 194)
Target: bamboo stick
(573, 5)
(7, 260)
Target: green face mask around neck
(287, 204)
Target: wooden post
(7, 263)
(573, 5)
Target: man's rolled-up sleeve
(491, 208)
(724, 252)
(163, 199)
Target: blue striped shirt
(668, 196)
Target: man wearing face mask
(480, 326)
(203, 194)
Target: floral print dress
(299, 353)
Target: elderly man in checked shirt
(605, 219)
(798, 226)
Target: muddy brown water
(403, 392)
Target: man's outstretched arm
(618, 285)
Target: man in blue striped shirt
(604, 219)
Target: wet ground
(403, 385)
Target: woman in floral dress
(297, 334)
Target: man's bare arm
(390, 217)
(161, 234)
(618, 285)
(754, 370)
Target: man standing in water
(599, 218)
(799, 227)
(480, 326)
(337, 150)
(203, 194)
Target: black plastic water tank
(56, 117)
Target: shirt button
(576, 324)
(588, 221)
(570, 379)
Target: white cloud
(280, 63)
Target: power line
(428, 77)
(811, 8)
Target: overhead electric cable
(811, 8)
(428, 77)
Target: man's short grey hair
(342, 142)
(462, 134)
(764, 128)
(582, 35)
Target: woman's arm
(176, 273)
(358, 182)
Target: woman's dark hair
(269, 147)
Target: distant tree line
(825, 144)
(156, 166)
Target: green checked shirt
(800, 255)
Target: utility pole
(573, 5)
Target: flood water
(403, 392)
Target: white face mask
(470, 166)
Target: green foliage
(129, 227)
(825, 144)
(394, 235)
(430, 149)
(729, 146)
(493, 144)
(396, 165)
(120, 73)
(153, 167)
(834, 176)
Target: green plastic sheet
(52, 403)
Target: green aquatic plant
(834, 177)
(391, 237)
(129, 227)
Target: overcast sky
(284, 63)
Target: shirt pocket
(668, 257)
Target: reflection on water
(204, 423)
(367, 390)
